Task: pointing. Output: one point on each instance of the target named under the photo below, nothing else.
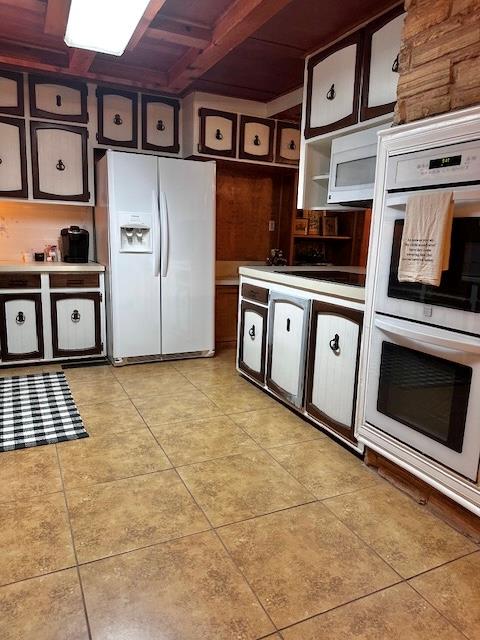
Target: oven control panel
(451, 165)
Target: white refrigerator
(155, 233)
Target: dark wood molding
(258, 294)
(74, 280)
(132, 143)
(19, 280)
(175, 104)
(23, 192)
(281, 126)
(65, 353)
(37, 299)
(203, 114)
(366, 112)
(19, 110)
(35, 112)
(352, 118)
(319, 308)
(262, 312)
(268, 157)
(37, 192)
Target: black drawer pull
(75, 316)
(20, 319)
(256, 141)
(292, 146)
(117, 119)
(288, 324)
(1, 161)
(60, 165)
(160, 125)
(58, 100)
(331, 93)
(251, 332)
(395, 64)
(218, 135)
(334, 344)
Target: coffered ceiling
(242, 48)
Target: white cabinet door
(58, 100)
(13, 166)
(21, 327)
(252, 342)
(75, 324)
(160, 124)
(379, 91)
(218, 133)
(11, 93)
(332, 376)
(117, 118)
(333, 87)
(256, 138)
(286, 347)
(59, 157)
(288, 143)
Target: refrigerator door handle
(156, 245)
(164, 233)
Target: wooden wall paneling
(226, 312)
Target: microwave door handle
(164, 233)
(156, 243)
(428, 335)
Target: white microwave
(352, 167)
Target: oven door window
(355, 172)
(460, 285)
(424, 392)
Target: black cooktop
(340, 277)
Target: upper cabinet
(380, 66)
(333, 87)
(256, 138)
(287, 148)
(11, 93)
(160, 124)
(117, 117)
(218, 133)
(58, 100)
(13, 162)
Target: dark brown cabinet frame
(262, 311)
(65, 353)
(319, 308)
(19, 110)
(23, 192)
(175, 147)
(37, 298)
(352, 118)
(35, 112)
(268, 157)
(367, 112)
(278, 156)
(202, 147)
(37, 192)
(132, 143)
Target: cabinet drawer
(256, 138)
(74, 280)
(13, 159)
(11, 93)
(218, 133)
(160, 124)
(117, 118)
(288, 143)
(252, 292)
(19, 281)
(58, 100)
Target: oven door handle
(429, 335)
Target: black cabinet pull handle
(334, 343)
(60, 165)
(288, 324)
(20, 319)
(160, 125)
(251, 332)
(395, 64)
(292, 146)
(117, 119)
(218, 135)
(58, 100)
(256, 141)
(1, 161)
(331, 93)
(75, 316)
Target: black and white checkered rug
(37, 409)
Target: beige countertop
(269, 274)
(49, 267)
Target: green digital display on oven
(447, 161)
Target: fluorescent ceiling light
(103, 25)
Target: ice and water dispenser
(135, 233)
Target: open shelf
(317, 237)
(321, 177)
(336, 207)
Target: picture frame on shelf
(300, 227)
(314, 223)
(330, 226)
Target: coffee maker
(74, 244)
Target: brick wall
(439, 58)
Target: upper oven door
(420, 390)
(455, 304)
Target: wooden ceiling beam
(240, 21)
(56, 16)
(149, 14)
(181, 33)
(81, 60)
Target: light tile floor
(200, 508)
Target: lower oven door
(423, 389)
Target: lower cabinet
(333, 366)
(76, 328)
(252, 340)
(287, 347)
(21, 333)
